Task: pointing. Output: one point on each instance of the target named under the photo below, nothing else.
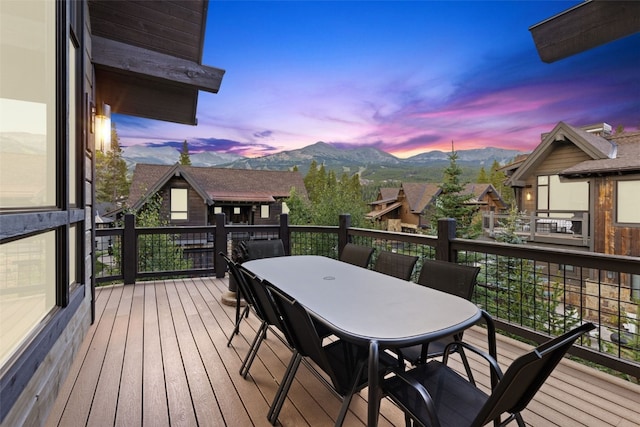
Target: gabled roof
(388, 193)
(419, 194)
(627, 159)
(480, 191)
(594, 146)
(216, 184)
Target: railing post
(343, 232)
(446, 233)
(220, 245)
(129, 250)
(285, 233)
(532, 227)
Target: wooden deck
(157, 356)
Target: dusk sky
(403, 76)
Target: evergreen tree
(112, 185)
(156, 252)
(516, 292)
(482, 177)
(497, 178)
(184, 154)
(452, 202)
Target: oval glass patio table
(366, 307)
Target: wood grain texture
(188, 376)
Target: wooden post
(343, 232)
(446, 233)
(129, 250)
(220, 245)
(285, 233)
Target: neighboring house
(61, 61)
(411, 206)
(587, 182)
(194, 195)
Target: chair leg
(253, 350)
(346, 400)
(239, 317)
(283, 389)
(467, 367)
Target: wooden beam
(585, 26)
(132, 59)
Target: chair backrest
(356, 254)
(396, 265)
(306, 340)
(526, 375)
(258, 249)
(239, 280)
(449, 277)
(263, 303)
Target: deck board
(157, 356)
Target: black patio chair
(241, 293)
(356, 254)
(246, 251)
(452, 278)
(396, 265)
(343, 362)
(268, 314)
(434, 395)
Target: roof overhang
(148, 57)
(378, 214)
(585, 26)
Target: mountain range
(350, 160)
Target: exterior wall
(610, 238)
(197, 208)
(564, 155)
(50, 368)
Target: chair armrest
(493, 363)
(424, 394)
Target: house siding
(196, 207)
(611, 238)
(562, 157)
(46, 362)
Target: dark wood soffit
(144, 97)
(588, 25)
(126, 58)
(172, 27)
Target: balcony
(157, 355)
(170, 335)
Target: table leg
(374, 386)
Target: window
(217, 210)
(264, 211)
(285, 208)
(27, 267)
(627, 202)
(555, 194)
(179, 203)
(236, 210)
(28, 105)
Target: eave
(147, 57)
(585, 26)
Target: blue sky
(403, 76)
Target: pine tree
(184, 154)
(112, 185)
(452, 202)
(482, 177)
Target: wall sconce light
(103, 127)
(528, 196)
